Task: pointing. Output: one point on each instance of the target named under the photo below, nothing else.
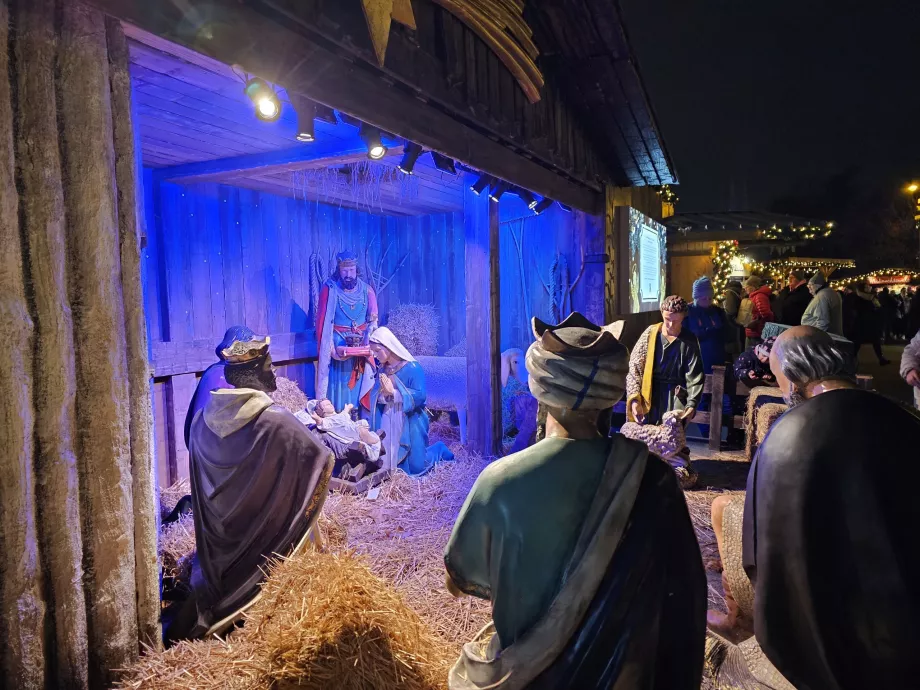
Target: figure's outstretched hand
(640, 418)
(339, 354)
(913, 378)
(687, 414)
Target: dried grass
(170, 495)
(417, 326)
(458, 350)
(441, 429)
(289, 395)
(177, 547)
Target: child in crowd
(753, 366)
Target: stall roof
(743, 220)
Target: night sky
(759, 100)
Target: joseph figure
(346, 318)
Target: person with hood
(761, 310)
(259, 480)
(825, 311)
(794, 299)
(828, 534)
(582, 542)
(707, 322)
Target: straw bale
(103, 398)
(143, 471)
(177, 547)
(22, 609)
(289, 395)
(766, 416)
(759, 396)
(417, 326)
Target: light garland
(722, 255)
(806, 232)
(883, 273)
(667, 194)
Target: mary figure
(396, 404)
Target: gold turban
(576, 365)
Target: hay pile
(760, 396)
(417, 326)
(170, 495)
(458, 350)
(323, 621)
(403, 534)
(289, 395)
(177, 547)
(766, 416)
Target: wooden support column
(483, 324)
(180, 391)
(611, 243)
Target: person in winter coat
(752, 368)
(793, 299)
(731, 304)
(707, 322)
(761, 311)
(867, 328)
(825, 311)
(910, 367)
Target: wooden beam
(314, 155)
(611, 248)
(238, 34)
(483, 325)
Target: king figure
(346, 317)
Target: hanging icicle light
(264, 98)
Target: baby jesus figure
(355, 446)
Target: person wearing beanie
(761, 311)
(825, 311)
(707, 322)
(731, 303)
(793, 299)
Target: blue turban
(702, 287)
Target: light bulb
(267, 108)
(377, 152)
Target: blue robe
(413, 445)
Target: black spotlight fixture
(480, 184)
(411, 152)
(443, 163)
(567, 209)
(543, 205)
(370, 135)
(264, 98)
(306, 113)
(499, 188)
(528, 198)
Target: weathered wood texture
(103, 400)
(531, 247)
(69, 587)
(22, 604)
(42, 216)
(143, 478)
(483, 326)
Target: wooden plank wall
(556, 232)
(220, 255)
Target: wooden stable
(165, 211)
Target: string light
(807, 232)
(881, 273)
(667, 194)
(722, 255)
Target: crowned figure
(346, 317)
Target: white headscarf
(384, 336)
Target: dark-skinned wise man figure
(830, 528)
(582, 542)
(259, 480)
(666, 373)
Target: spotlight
(528, 198)
(499, 188)
(543, 205)
(411, 152)
(443, 163)
(480, 184)
(264, 98)
(371, 137)
(306, 112)
(567, 209)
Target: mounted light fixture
(370, 135)
(543, 205)
(264, 98)
(411, 152)
(443, 163)
(567, 209)
(306, 113)
(480, 184)
(527, 197)
(499, 188)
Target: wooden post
(715, 408)
(180, 389)
(483, 326)
(610, 249)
